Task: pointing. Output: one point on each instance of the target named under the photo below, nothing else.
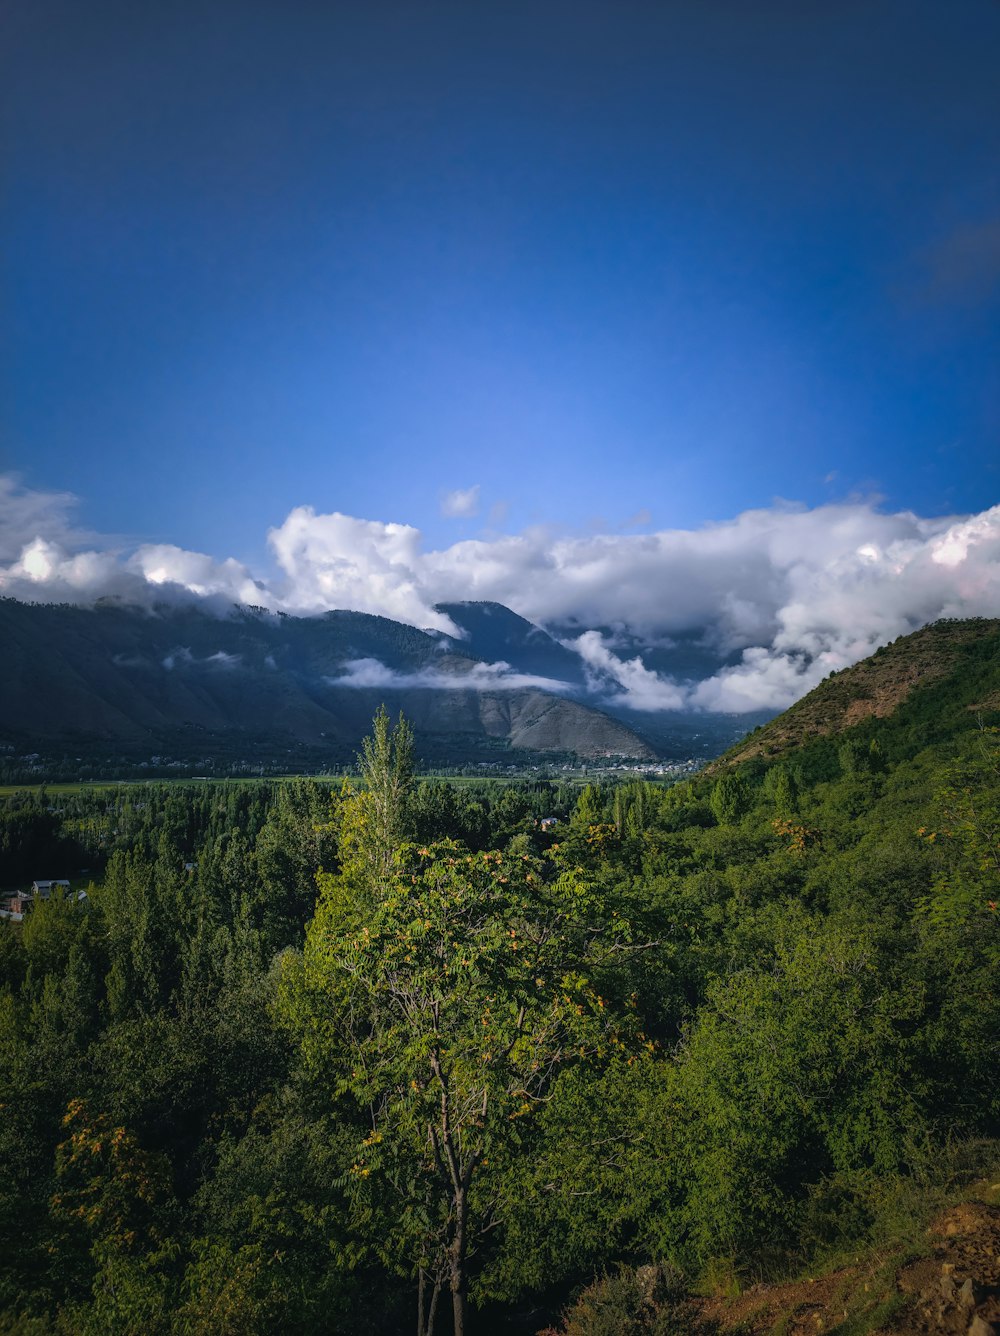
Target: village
(15, 905)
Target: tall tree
(376, 821)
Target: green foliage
(113, 1199)
(316, 1069)
(295, 841)
(730, 798)
(634, 807)
(796, 1066)
(589, 808)
(376, 820)
(785, 790)
(447, 1011)
(649, 1301)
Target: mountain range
(179, 680)
(248, 686)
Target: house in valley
(16, 905)
(42, 890)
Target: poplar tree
(376, 821)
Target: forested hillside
(414, 1057)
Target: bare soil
(952, 1290)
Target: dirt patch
(796, 1308)
(873, 688)
(882, 697)
(954, 1290)
(960, 1281)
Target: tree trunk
(425, 1324)
(458, 1285)
(432, 1311)
(458, 1304)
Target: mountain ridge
(945, 670)
(133, 678)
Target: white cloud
(644, 689)
(336, 561)
(764, 680)
(183, 656)
(462, 503)
(46, 572)
(26, 515)
(478, 677)
(222, 659)
(44, 557)
(792, 593)
(164, 564)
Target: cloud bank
(786, 594)
(480, 677)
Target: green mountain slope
(921, 689)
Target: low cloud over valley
(780, 596)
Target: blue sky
(618, 265)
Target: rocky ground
(954, 1289)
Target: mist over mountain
(670, 644)
(491, 631)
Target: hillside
(493, 632)
(939, 676)
(180, 680)
(946, 1280)
(936, 1275)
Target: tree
(144, 909)
(114, 1197)
(375, 821)
(447, 1012)
(730, 798)
(633, 807)
(795, 1068)
(786, 792)
(293, 843)
(959, 922)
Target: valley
(714, 1054)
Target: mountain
(492, 632)
(926, 686)
(179, 680)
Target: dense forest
(415, 1055)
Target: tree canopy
(365, 1058)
